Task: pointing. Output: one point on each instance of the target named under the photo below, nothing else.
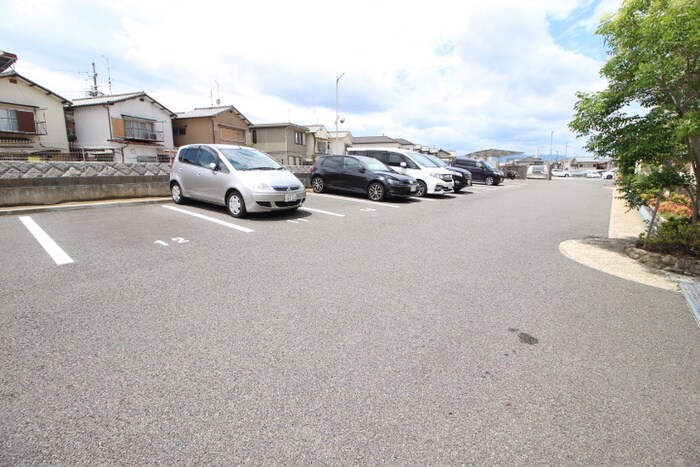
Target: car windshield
(249, 159)
(439, 162)
(487, 165)
(422, 160)
(376, 165)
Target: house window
(180, 131)
(8, 120)
(298, 137)
(140, 129)
(21, 121)
(255, 136)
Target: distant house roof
(373, 140)
(403, 142)
(14, 74)
(279, 125)
(113, 99)
(590, 160)
(208, 112)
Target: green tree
(650, 110)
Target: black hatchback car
(360, 174)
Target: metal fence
(32, 151)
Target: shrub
(672, 208)
(677, 237)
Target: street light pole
(337, 111)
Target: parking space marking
(210, 219)
(56, 253)
(322, 212)
(347, 198)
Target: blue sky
(498, 74)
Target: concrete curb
(18, 210)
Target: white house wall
(93, 127)
(22, 94)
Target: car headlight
(436, 175)
(392, 181)
(261, 186)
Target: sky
(460, 76)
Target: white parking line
(210, 219)
(322, 212)
(56, 252)
(347, 198)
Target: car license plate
(290, 197)
(414, 188)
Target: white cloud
(457, 75)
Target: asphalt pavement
(423, 332)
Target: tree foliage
(650, 111)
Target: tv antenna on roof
(109, 75)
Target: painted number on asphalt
(174, 239)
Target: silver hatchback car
(241, 178)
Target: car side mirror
(402, 165)
(213, 166)
(362, 170)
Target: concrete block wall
(43, 183)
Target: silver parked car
(241, 178)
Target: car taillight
(312, 169)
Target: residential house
(405, 144)
(32, 118)
(217, 125)
(318, 142)
(340, 141)
(590, 163)
(376, 142)
(131, 127)
(285, 142)
(437, 152)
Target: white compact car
(241, 178)
(431, 178)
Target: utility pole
(549, 166)
(93, 92)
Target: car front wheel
(318, 185)
(176, 193)
(489, 181)
(422, 189)
(235, 204)
(376, 191)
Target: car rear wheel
(235, 204)
(176, 193)
(422, 189)
(489, 181)
(318, 185)
(376, 191)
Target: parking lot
(432, 331)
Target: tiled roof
(11, 74)
(101, 100)
(207, 112)
(372, 139)
(279, 125)
(105, 100)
